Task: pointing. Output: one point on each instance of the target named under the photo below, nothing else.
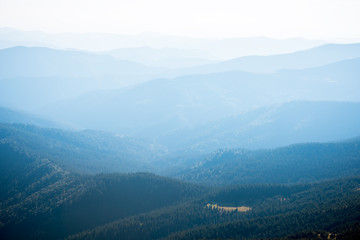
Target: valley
(54, 201)
(149, 136)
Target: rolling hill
(309, 58)
(34, 76)
(318, 211)
(162, 57)
(86, 151)
(8, 115)
(46, 62)
(31, 77)
(272, 126)
(161, 108)
(47, 202)
(299, 163)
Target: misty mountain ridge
(15, 116)
(309, 58)
(46, 62)
(219, 48)
(86, 151)
(267, 127)
(159, 107)
(162, 57)
(40, 76)
(272, 126)
(33, 77)
(99, 152)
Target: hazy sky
(197, 18)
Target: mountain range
(162, 57)
(106, 136)
(46, 201)
(291, 164)
(308, 58)
(32, 77)
(272, 126)
(159, 108)
(218, 48)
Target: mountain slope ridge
(298, 163)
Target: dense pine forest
(47, 199)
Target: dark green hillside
(292, 164)
(47, 202)
(330, 208)
(277, 211)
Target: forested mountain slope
(44, 195)
(86, 151)
(47, 202)
(307, 162)
(277, 211)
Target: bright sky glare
(195, 18)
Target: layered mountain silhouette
(149, 136)
(163, 107)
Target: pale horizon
(280, 19)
